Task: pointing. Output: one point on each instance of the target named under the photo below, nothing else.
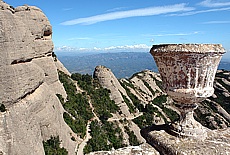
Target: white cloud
(173, 34)
(213, 3)
(201, 11)
(67, 9)
(130, 13)
(83, 49)
(64, 48)
(129, 47)
(142, 47)
(216, 22)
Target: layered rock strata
(29, 83)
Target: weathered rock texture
(109, 81)
(144, 149)
(216, 143)
(188, 72)
(213, 113)
(28, 83)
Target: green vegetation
(101, 101)
(68, 85)
(223, 84)
(77, 124)
(202, 115)
(147, 119)
(222, 74)
(54, 56)
(148, 86)
(133, 141)
(159, 100)
(84, 81)
(105, 136)
(159, 83)
(52, 147)
(136, 75)
(2, 108)
(61, 99)
(130, 105)
(134, 99)
(202, 118)
(77, 106)
(221, 99)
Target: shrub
(52, 147)
(2, 108)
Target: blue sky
(134, 25)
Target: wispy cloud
(214, 3)
(130, 13)
(116, 9)
(172, 34)
(67, 9)
(200, 11)
(216, 22)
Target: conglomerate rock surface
(28, 83)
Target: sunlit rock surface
(29, 83)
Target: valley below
(123, 64)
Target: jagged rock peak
(108, 80)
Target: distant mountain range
(122, 64)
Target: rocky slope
(30, 110)
(140, 103)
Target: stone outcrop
(144, 149)
(29, 83)
(213, 113)
(108, 80)
(217, 142)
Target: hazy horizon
(87, 25)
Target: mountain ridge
(123, 64)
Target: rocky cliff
(29, 83)
(144, 89)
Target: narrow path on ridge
(80, 148)
(84, 142)
(127, 118)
